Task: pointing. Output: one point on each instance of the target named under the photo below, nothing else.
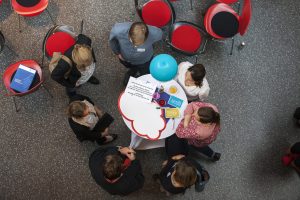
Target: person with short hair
(88, 122)
(133, 45)
(193, 81)
(200, 126)
(83, 66)
(180, 172)
(116, 170)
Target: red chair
(9, 73)
(227, 1)
(222, 22)
(187, 38)
(159, 13)
(58, 39)
(30, 8)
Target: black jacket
(84, 133)
(131, 180)
(62, 66)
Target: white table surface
(143, 141)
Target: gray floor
(256, 90)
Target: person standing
(116, 170)
(200, 126)
(132, 43)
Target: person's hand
(120, 57)
(164, 163)
(127, 151)
(178, 157)
(105, 133)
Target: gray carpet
(256, 90)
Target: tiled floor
(256, 90)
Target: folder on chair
(23, 79)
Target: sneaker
(109, 138)
(94, 80)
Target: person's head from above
(185, 174)
(113, 166)
(208, 115)
(82, 56)
(195, 74)
(138, 33)
(77, 109)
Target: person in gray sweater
(133, 45)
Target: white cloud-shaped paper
(145, 119)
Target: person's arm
(84, 132)
(113, 41)
(156, 33)
(58, 74)
(204, 90)
(188, 114)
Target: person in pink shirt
(200, 126)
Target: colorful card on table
(23, 78)
(172, 113)
(174, 101)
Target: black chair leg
(43, 58)
(191, 2)
(232, 43)
(47, 90)
(81, 27)
(196, 59)
(50, 16)
(19, 17)
(15, 103)
(12, 50)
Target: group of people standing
(116, 169)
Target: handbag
(57, 56)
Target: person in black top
(83, 65)
(180, 172)
(116, 170)
(88, 122)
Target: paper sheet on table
(140, 90)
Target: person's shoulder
(121, 27)
(185, 65)
(154, 31)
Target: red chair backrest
(29, 11)
(156, 13)
(8, 73)
(0, 1)
(245, 17)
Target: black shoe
(70, 93)
(114, 137)
(94, 80)
(216, 157)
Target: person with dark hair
(116, 170)
(77, 66)
(88, 122)
(180, 172)
(292, 158)
(200, 126)
(193, 81)
(133, 45)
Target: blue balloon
(163, 67)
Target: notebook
(22, 79)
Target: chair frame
(19, 16)
(139, 9)
(3, 45)
(201, 49)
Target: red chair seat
(29, 11)
(156, 13)
(10, 71)
(186, 38)
(59, 42)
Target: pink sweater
(196, 133)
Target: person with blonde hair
(133, 45)
(81, 67)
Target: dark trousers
(207, 151)
(135, 70)
(175, 146)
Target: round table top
(147, 119)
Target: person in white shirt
(192, 80)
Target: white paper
(140, 90)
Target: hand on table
(127, 151)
